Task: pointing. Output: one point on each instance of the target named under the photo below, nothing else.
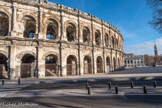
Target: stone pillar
(93, 61)
(60, 47)
(40, 32)
(13, 20)
(111, 61)
(64, 70)
(13, 74)
(79, 59)
(82, 65)
(105, 64)
(41, 63)
(103, 46)
(95, 66)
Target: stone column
(79, 58)
(41, 63)
(93, 61)
(103, 46)
(81, 65)
(111, 61)
(13, 19)
(60, 47)
(40, 32)
(105, 63)
(64, 70)
(13, 62)
(95, 66)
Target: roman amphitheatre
(43, 39)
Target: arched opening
(114, 64)
(87, 65)
(99, 65)
(3, 66)
(113, 42)
(86, 35)
(52, 30)
(118, 64)
(4, 24)
(108, 64)
(71, 65)
(71, 32)
(97, 37)
(51, 65)
(29, 27)
(106, 40)
(28, 66)
(116, 43)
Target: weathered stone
(32, 31)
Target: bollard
(116, 89)
(87, 85)
(154, 82)
(109, 85)
(131, 84)
(89, 90)
(19, 81)
(2, 82)
(145, 89)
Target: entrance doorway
(28, 66)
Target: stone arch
(4, 53)
(87, 65)
(106, 40)
(52, 29)
(108, 63)
(28, 66)
(97, 37)
(53, 17)
(75, 29)
(113, 42)
(86, 35)
(99, 62)
(28, 58)
(3, 65)
(53, 60)
(117, 43)
(49, 53)
(9, 17)
(4, 24)
(20, 55)
(51, 65)
(30, 15)
(30, 26)
(71, 61)
(71, 32)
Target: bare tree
(156, 6)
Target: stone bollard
(89, 90)
(19, 81)
(131, 83)
(2, 82)
(145, 89)
(116, 89)
(87, 85)
(109, 85)
(154, 82)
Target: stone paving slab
(83, 92)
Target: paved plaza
(71, 91)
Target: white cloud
(145, 48)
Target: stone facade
(133, 61)
(39, 38)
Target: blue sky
(131, 17)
